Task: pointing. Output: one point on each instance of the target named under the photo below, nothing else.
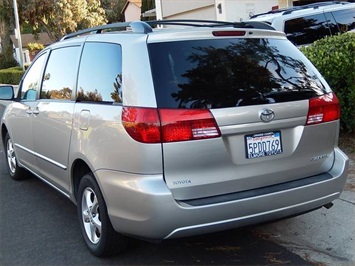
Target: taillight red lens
(187, 124)
(142, 124)
(323, 109)
(145, 125)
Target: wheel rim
(11, 157)
(91, 215)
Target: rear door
(258, 91)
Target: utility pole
(18, 35)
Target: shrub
(34, 46)
(335, 59)
(11, 75)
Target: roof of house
(43, 38)
(138, 3)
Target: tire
(99, 235)
(15, 171)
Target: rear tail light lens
(142, 124)
(150, 125)
(323, 109)
(187, 124)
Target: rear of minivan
(248, 131)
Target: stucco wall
(240, 10)
(225, 10)
(176, 7)
(204, 13)
(132, 12)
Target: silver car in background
(173, 132)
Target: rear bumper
(143, 206)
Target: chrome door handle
(31, 111)
(35, 111)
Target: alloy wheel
(11, 156)
(91, 215)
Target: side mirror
(6, 92)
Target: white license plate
(263, 144)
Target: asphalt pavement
(39, 226)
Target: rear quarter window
(221, 73)
(100, 73)
(307, 29)
(345, 19)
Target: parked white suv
(165, 133)
(306, 24)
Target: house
(132, 10)
(42, 38)
(224, 10)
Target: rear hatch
(268, 117)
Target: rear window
(223, 73)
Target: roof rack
(286, 11)
(146, 26)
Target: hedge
(334, 57)
(11, 75)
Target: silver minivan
(161, 133)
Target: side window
(100, 73)
(60, 73)
(345, 19)
(306, 30)
(31, 82)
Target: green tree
(59, 17)
(113, 10)
(6, 29)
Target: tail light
(187, 124)
(323, 109)
(150, 125)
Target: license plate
(263, 144)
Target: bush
(34, 46)
(11, 75)
(335, 59)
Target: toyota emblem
(267, 115)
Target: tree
(59, 17)
(6, 29)
(113, 10)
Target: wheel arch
(79, 169)
(4, 131)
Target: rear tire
(15, 171)
(99, 235)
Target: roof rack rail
(97, 29)
(296, 8)
(146, 26)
